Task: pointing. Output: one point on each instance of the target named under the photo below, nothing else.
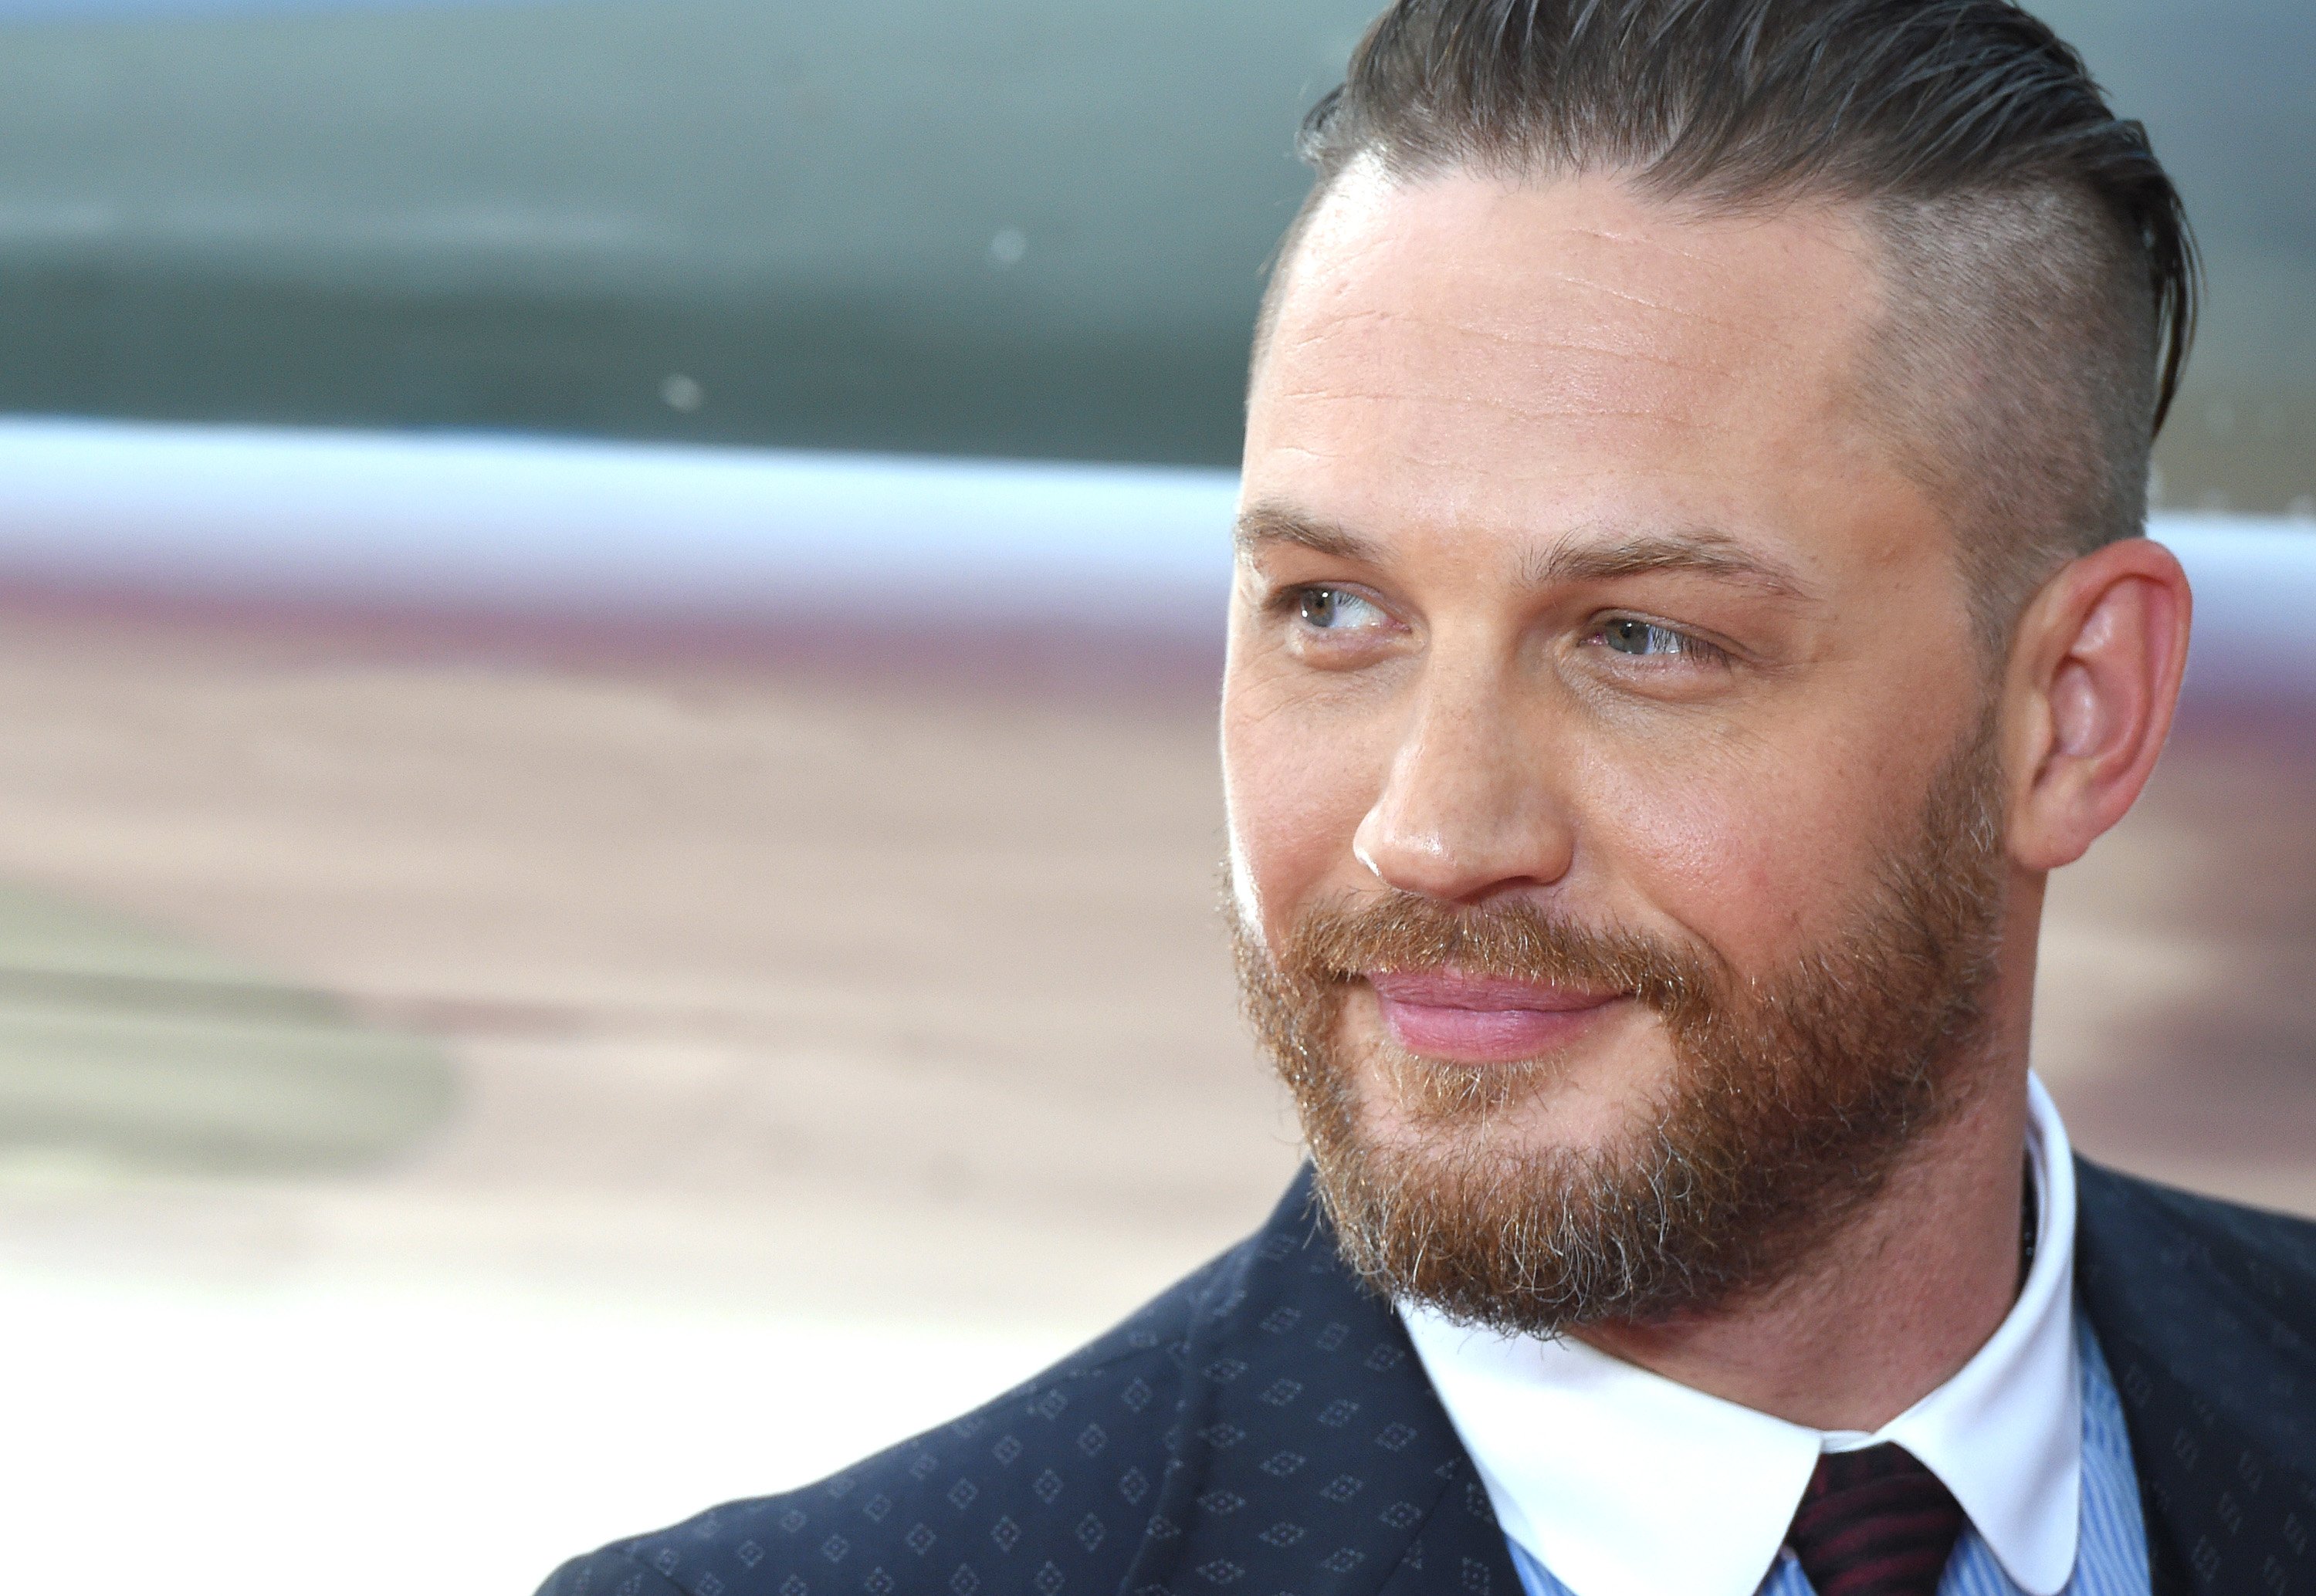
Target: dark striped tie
(1875, 1522)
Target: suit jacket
(1264, 1428)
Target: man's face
(1601, 710)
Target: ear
(2094, 675)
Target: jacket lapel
(2217, 1382)
(1310, 1454)
(1312, 1458)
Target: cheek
(1752, 849)
(1296, 784)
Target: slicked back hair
(2040, 274)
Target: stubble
(1792, 1097)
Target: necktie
(1875, 1522)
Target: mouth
(1472, 1019)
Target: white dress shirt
(1623, 1483)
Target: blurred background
(609, 615)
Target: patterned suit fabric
(1264, 1428)
(2207, 1313)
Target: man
(1691, 596)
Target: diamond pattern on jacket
(1270, 1379)
(2203, 1289)
(1262, 1428)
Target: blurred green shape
(131, 1049)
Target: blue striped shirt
(2110, 1554)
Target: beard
(1790, 1097)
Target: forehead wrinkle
(1662, 245)
(1632, 296)
(1517, 341)
(1841, 224)
(1500, 406)
(1771, 329)
(1330, 322)
(1306, 450)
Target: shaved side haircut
(2041, 276)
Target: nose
(1471, 805)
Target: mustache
(1333, 944)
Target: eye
(1646, 639)
(1338, 609)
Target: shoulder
(2213, 1300)
(2205, 1312)
(2154, 1236)
(1049, 1485)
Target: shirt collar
(1623, 1483)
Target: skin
(1498, 434)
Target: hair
(2043, 279)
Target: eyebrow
(1263, 526)
(1702, 552)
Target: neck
(1888, 1310)
(1901, 1298)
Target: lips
(1469, 1019)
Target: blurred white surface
(537, 525)
(2255, 596)
(557, 526)
(378, 1441)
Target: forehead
(1463, 350)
